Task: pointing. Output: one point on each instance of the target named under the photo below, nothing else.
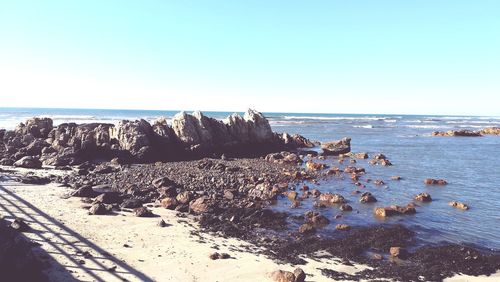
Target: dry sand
(123, 247)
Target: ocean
(471, 165)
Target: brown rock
(310, 165)
(396, 177)
(395, 210)
(423, 197)
(283, 276)
(98, 209)
(398, 252)
(332, 198)
(458, 205)
(361, 155)
(342, 227)
(292, 195)
(200, 205)
(431, 181)
(169, 203)
(183, 197)
(307, 228)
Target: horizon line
(225, 111)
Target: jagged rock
(38, 127)
(29, 162)
(307, 228)
(200, 205)
(136, 138)
(336, 148)
(367, 197)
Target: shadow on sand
(79, 259)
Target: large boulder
(28, 162)
(336, 148)
(38, 127)
(135, 137)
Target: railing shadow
(64, 241)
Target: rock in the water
(395, 210)
(431, 181)
(458, 205)
(423, 197)
(367, 197)
(331, 198)
(336, 148)
(491, 131)
(29, 162)
(459, 133)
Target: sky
(393, 57)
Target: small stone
(162, 223)
(19, 225)
(398, 252)
(143, 212)
(300, 275)
(458, 205)
(342, 227)
(307, 228)
(345, 207)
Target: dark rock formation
(336, 148)
(191, 136)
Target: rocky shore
(229, 175)
(468, 133)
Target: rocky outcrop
(491, 131)
(336, 148)
(191, 136)
(38, 127)
(456, 133)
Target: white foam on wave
(332, 118)
(426, 126)
(363, 126)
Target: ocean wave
(363, 126)
(332, 118)
(390, 120)
(426, 126)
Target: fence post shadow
(13, 206)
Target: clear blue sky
(415, 57)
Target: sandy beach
(123, 247)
